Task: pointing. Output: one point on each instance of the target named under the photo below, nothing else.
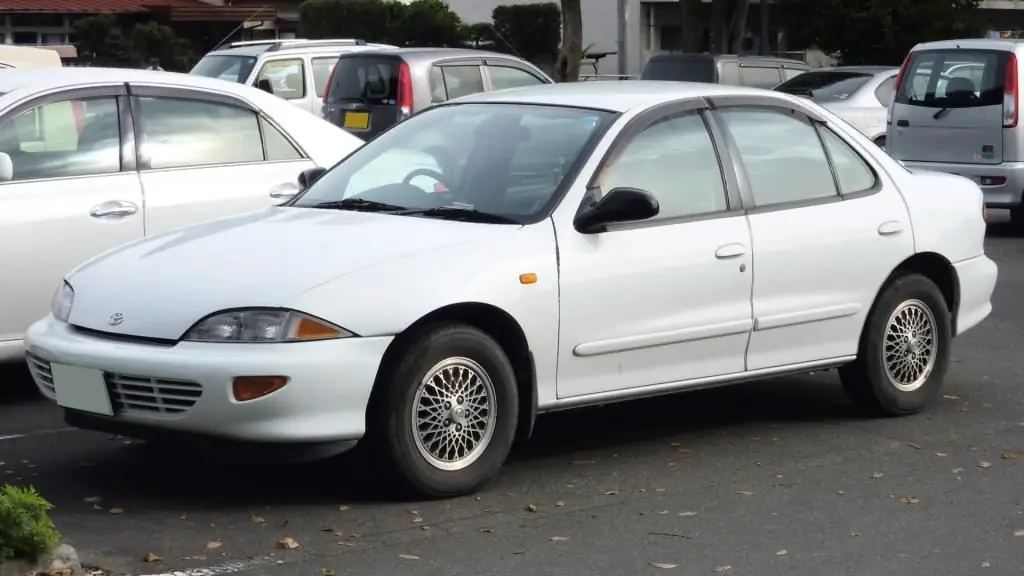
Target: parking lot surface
(774, 477)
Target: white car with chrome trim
(580, 244)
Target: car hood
(161, 286)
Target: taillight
(404, 91)
(327, 88)
(1010, 93)
(896, 86)
(984, 212)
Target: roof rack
(280, 44)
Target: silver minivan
(956, 110)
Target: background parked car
(755, 71)
(296, 70)
(75, 182)
(27, 57)
(858, 94)
(370, 91)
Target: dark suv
(738, 70)
(370, 92)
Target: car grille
(129, 393)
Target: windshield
(680, 69)
(831, 86)
(954, 79)
(503, 159)
(224, 67)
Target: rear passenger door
(760, 76)
(204, 156)
(287, 78)
(451, 79)
(502, 73)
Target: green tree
(428, 23)
(97, 37)
(152, 41)
(369, 20)
(532, 31)
(878, 31)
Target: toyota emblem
(116, 319)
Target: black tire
(1017, 216)
(392, 424)
(867, 382)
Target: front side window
(760, 76)
(503, 159)
(503, 77)
(179, 132)
(674, 160)
(462, 80)
(782, 155)
(954, 79)
(287, 78)
(64, 139)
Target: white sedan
(93, 158)
(581, 244)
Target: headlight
(63, 298)
(263, 325)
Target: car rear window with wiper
(954, 79)
(367, 79)
(824, 86)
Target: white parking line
(226, 568)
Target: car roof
(736, 57)
(613, 95)
(40, 79)
(425, 54)
(1004, 44)
(864, 69)
(290, 47)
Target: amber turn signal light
(247, 388)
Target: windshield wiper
(462, 214)
(357, 205)
(942, 112)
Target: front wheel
(904, 349)
(448, 411)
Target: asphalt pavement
(771, 478)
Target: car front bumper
(186, 388)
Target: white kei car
(92, 158)
(582, 243)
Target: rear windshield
(954, 79)
(680, 69)
(831, 86)
(366, 79)
(231, 68)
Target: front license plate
(357, 120)
(81, 389)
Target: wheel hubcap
(909, 350)
(454, 414)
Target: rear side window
(886, 90)
(954, 79)
(680, 69)
(462, 80)
(760, 76)
(367, 79)
(503, 77)
(825, 86)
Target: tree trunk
(719, 37)
(567, 67)
(690, 26)
(766, 41)
(739, 25)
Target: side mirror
(619, 205)
(6, 168)
(310, 175)
(265, 85)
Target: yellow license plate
(357, 120)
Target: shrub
(533, 31)
(368, 20)
(26, 530)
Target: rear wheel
(448, 411)
(904, 349)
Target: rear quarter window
(954, 79)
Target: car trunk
(362, 96)
(949, 107)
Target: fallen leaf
(721, 569)
(941, 454)
(417, 520)
(531, 507)
(558, 538)
(486, 530)
(950, 397)
(327, 572)
(914, 445)
(408, 556)
(664, 566)
(214, 545)
(150, 557)
(840, 492)
(1008, 456)
(257, 519)
(578, 462)
(877, 475)
(183, 517)
(984, 464)
(611, 493)
(343, 508)
(559, 504)
(688, 513)
(910, 500)
(782, 552)
(116, 511)
(90, 499)
(986, 564)
(1019, 533)
(287, 543)
(744, 493)
(957, 470)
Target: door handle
(890, 228)
(903, 123)
(730, 251)
(284, 191)
(113, 209)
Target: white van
(27, 57)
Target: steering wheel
(440, 178)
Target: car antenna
(239, 27)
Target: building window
(30, 38)
(55, 38)
(37, 20)
(671, 37)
